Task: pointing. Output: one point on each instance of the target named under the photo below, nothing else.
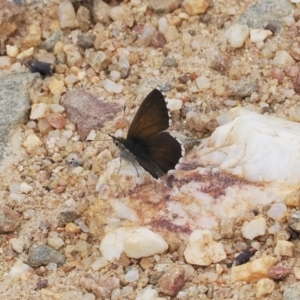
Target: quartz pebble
(148, 293)
(259, 35)
(5, 62)
(283, 59)
(12, 51)
(292, 199)
(25, 188)
(236, 35)
(277, 212)
(202, 250)
(132, 275)
(203, 82)
(66, 15)
(99, 263)
(122, 13)
(284, 248)
(38, 111)
(264, 286)
(254, 228)
(54, 241)
(143, 242)
(174, 104)
(32, 141)
(112, 87)
(17, 270)
(254, 270)
(57, 87)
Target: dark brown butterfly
(155, 150)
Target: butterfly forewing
(151, 118)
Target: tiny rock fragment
(254, 228)
(170, 62)
(84, 18)
(202, 250)
(254, 270)
(38, 111)
(72, 228)
(264, 286)
(98, 60)
(259, 35)
(122, 13)
(284, 248)
(244, 256)
(283, 59)
(56, 120)
(32, 141)
(294, 221)
(67, 216)
(86, 40)
(17, 270)
(279, 272)
(292, 292)
(243, 89)
(237, 35)
(112, 87)
(195, 7)
(144, 242)
(25, 188)
(292, 200)
(172, 281)
(66, 15)
(57, 87)
(101, 11)
(9, 220)
(43, 255)
(158, 40)
(278, 212)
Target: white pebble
(284, 248)
(56, 108)
(277, 212)
(26, 53)
(237, 35)
(202, 250)
(17, 269)
(38, 111)
(203, 82)
(259, 35)
(12, 51)
(174, 104)
(32, 141)
(143, 242)
(99, 263)
(5, 62)
(162, 24)
(115, 75)
(18, 244)
(132, 275)
(25, 188)
(112, 87)
(283, 59)
(254, 228)
(88, 296)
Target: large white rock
(202, 250)
(143, 242)
(135, 242)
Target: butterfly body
(147, 143)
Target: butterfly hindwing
(151, 118)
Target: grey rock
(49, 43)
(243, 89)
(266, 12)
(67, 216)
(294, 221)
(14, 104)
(165, 6)
(86, 40)
(97, 59)
(292, 292)
(43, 255)
(170, 62)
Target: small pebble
(170, 62)
(195, 7)
(172, 281)
(112, 87)
(254, 228)
(278, 212)
(292, 292)
(43, 255)
(284, 248)
(66, 15)
(264, 286)
(283, 59)
(279, 272)
(237, 35)
(56, 120)
(38, 111)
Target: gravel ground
(206, 59)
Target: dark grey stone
(14, 103)
(43, 255)
(266, 12)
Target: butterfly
(155, 150)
